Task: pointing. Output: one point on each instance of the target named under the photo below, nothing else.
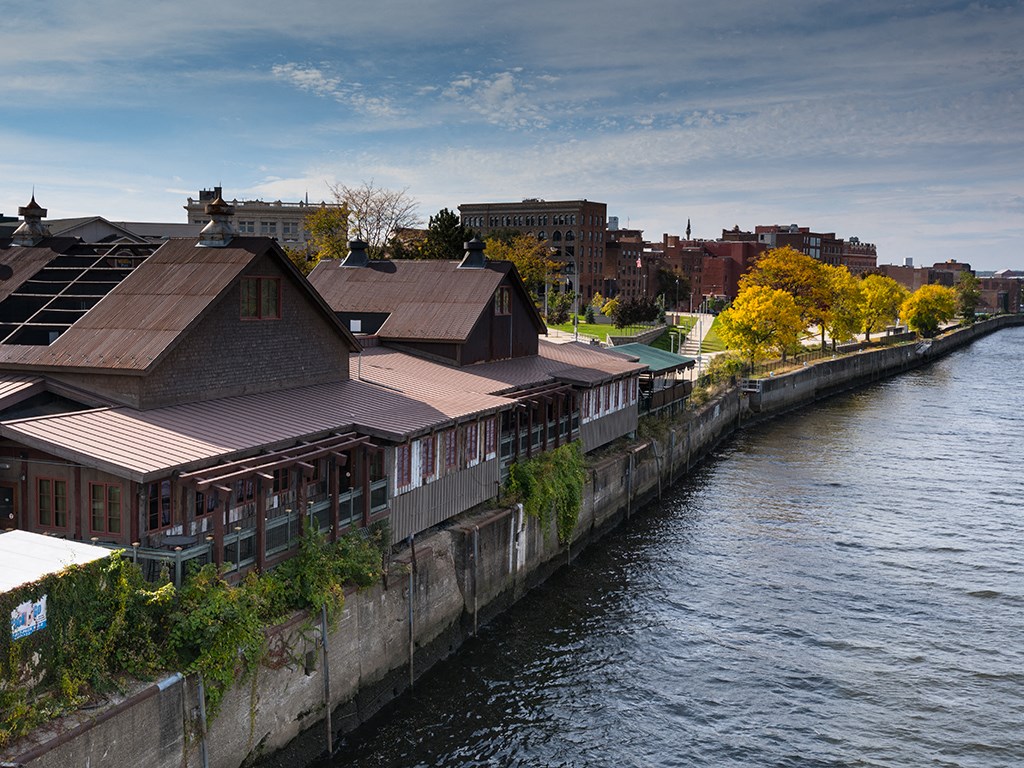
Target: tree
(928, 307)
(559, 308)
(630, 311)
(446, 237)
(303, 261)
(376, 214)
(843, 319)
(803, 277)
(968, 291)
(761, 320)
(328, 232)
(529, 255)
(672, 285)
(882, 297)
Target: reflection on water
(842, 586)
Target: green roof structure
(657, 360)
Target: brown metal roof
(570, 363)
(14, 388)
(145, 445)
(144, 316)
(425, 300)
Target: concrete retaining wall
(435, 596)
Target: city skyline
(897, 125)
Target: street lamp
(571, 271)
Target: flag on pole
(638, 262)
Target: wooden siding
(442, 499)
(598, 432)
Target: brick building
(573, 229)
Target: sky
(899, 122)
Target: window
(472, 443)
(261, 298)
(281, 480)
(268, 227)
(290, 229)
(503, 301)
(428, 457)
(451, 449)
(403, 465)
(246, 227)
(105, 507)
(490, 437)
(52, 503)
(159, 505)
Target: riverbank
(436, 595)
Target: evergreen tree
(446, 237)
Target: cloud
(501, 98)
(314, 80)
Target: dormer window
(503, 301)
(261, 298)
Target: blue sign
(28, 617)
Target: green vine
(106, 624)
(550, 487)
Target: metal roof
(145, 315)
(657, 360)
(27, 557)
(146, 445)
(424, 300)
(14, 388)
(569, 363)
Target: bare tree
(377, 214)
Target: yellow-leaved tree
(882, 298)
(760, 321)
(529, 255)
(843, 319)
(798, 274)
(928, 307)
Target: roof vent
(356, 255)
(219, 231)
(474, 258)
(32, 230)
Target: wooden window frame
(106, 507)
(451, 449)
(155, 506)
(503, 301)
(471, 443)
(252, 304)
(58, 517)
(403, 465)
(428, 456)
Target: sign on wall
(28, 617)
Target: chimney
(32, 230)
(219, 231)
(474, 258)
(357, 256)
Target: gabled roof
(75, 227)
(144, 317)
(424, 300)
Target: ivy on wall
(550, 487)
(106, 625)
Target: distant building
(856, 256)
(573, 229)
(284, 222)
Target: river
(843, 586)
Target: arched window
(569, 235)
(542, 235)
(556, 236)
